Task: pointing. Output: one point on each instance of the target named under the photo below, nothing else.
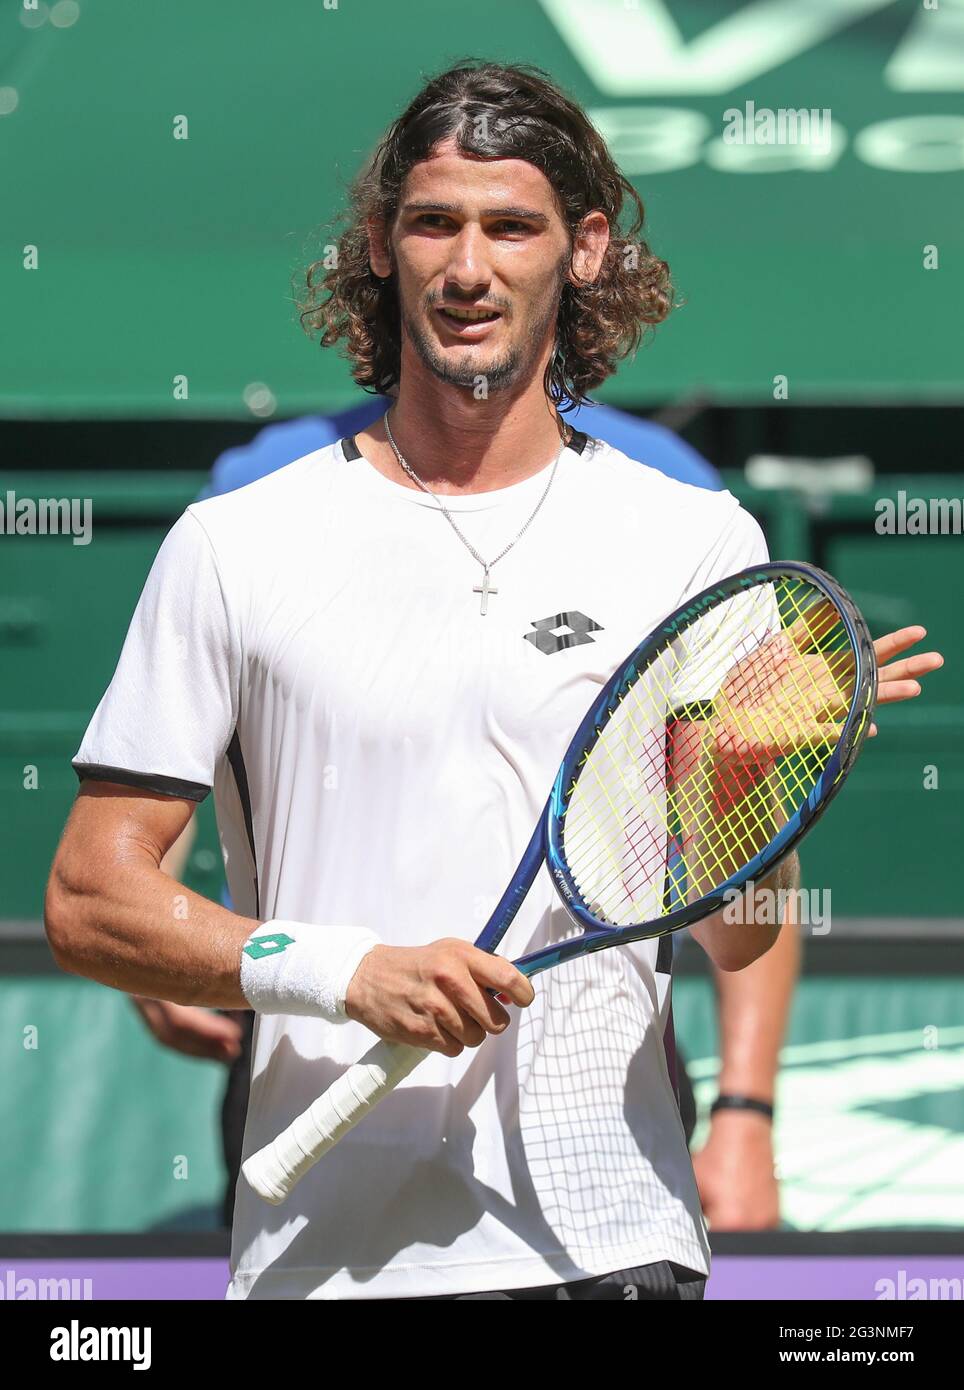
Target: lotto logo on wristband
(260, 946)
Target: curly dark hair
(526, 117)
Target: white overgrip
(278, 1168)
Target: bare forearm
(754, 1005)
(124, 922)
(747, 928)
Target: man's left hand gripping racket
(714, 747)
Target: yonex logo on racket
(748, 580)
(685, 614)
(561, 884)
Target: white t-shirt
(311, 646)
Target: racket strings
(760, 765)
(726, 802)
(662, 798)
(657, 776)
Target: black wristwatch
(731, 1102)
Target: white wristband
(300, 968)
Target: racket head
(795, 593)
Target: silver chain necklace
(485, 588)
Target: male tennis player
(376, 658)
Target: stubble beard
(472, 367)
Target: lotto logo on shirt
(561, 631)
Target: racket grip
(278, 1168)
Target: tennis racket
(710, 752)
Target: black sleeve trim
(577, 444)
(147, 781)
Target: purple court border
(743, 1278)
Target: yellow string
(604, 808)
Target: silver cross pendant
(485, 588)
